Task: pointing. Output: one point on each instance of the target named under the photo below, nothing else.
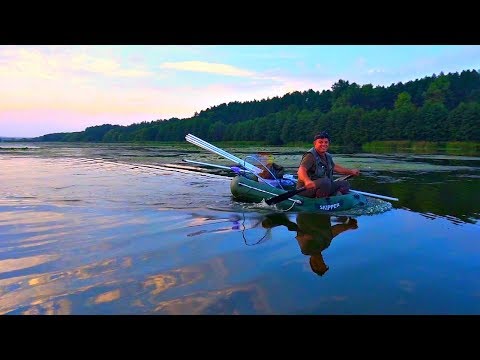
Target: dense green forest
(438, 108)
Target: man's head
(321, 142)
(322, 135)
(317, 265)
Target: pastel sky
(48, 89)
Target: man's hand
(351, 223)
(309, 184)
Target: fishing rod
(207, 164)
(207, 146)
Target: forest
(437, 108)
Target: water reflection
(314, 233)
(110, 230)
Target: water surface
(112, 229)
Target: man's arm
(345, 171)
(305, 164)
(302, 175)
(339, 228)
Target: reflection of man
(314, 234)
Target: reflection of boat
(249, 185)
(255, 191)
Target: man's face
(321, 145)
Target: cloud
(32, 63)
(361, 62)
(49, 89)
(375, 71)
(271, 83)
(206, 67)
(106, 67)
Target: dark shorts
(326, 187)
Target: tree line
(436, 108)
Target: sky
(67, 88)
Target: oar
(284, 196)
(343, 177)
(374, 195)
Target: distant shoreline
(390, 146)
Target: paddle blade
(343, 178)
(284, 196)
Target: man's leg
(342, 185)
(323, 187)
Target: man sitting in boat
(316, 170)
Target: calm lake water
(112, 229)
